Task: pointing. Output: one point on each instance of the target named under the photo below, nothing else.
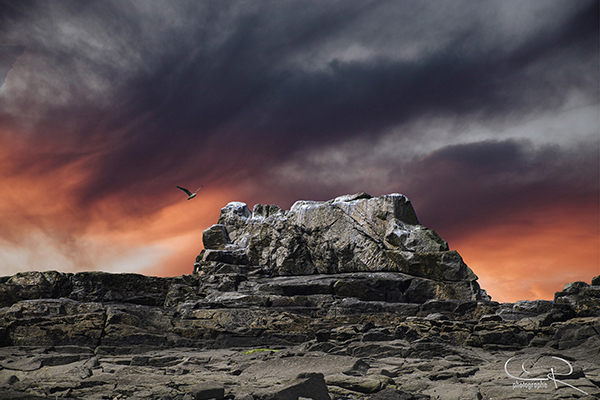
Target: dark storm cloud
(470, 186)
(368, 96)
(218, 100)
(247, 83)
(167, 91)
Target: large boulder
(581, 297)
(349, 234)
(34, 285)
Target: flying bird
(190, 194)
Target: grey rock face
(349, 234)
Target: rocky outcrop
(349, 234)
(267, 315)
(97, 287)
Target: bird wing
(199, 189)
(185, 190)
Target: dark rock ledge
(346, 299)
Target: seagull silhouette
(190, 194)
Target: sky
(484, 113)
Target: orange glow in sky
(532, 256)
(527, 255)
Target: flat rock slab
(208, 390)
(290, 367)
(22, 364)
(306, 385)
(361, 384)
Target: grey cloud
(8, 56)
(465, 187)
(224, 91)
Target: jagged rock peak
(351, 233)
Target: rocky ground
(278, 346)
(358, 370)
(295, 315)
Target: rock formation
(349, 234)
(346, 299)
